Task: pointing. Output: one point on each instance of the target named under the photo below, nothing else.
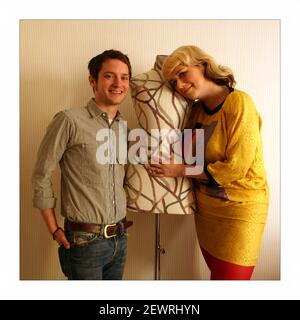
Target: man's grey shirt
(90, 192)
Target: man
(93, 244)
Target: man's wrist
(55, 231)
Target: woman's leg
(222, 270)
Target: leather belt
(106, 230)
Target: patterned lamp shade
(158, 106)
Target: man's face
(113, 83)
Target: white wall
(53, 76)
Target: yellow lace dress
(233, 204)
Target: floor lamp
(158, 249)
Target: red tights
(222, 270)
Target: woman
(232, 191)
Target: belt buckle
(106, 236)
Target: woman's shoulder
(239, 94)
(238, 100)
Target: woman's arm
(243, 125)
(176, 170)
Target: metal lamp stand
(158, 249)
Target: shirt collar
(95, 111)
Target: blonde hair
(194, 56)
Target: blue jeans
(93, 257)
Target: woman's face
(189, 81)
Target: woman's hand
(175, 170)
(166, 170)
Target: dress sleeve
(49, 154)
(243, 125)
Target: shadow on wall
(182, 253)
(41, 98)
(141, 245)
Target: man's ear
(92, 81)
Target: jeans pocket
(64, 260)
(81, 239)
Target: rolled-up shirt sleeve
(49, 154)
